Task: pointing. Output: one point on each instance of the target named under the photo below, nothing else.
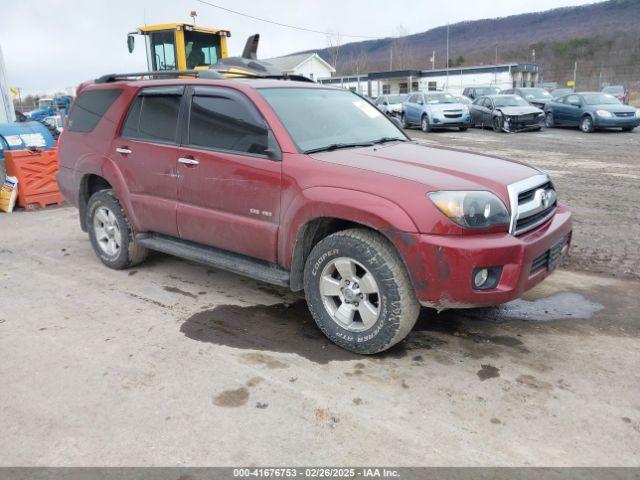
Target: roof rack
(207, 74)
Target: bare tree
(357, 62)
(399, 54)
(333, 45)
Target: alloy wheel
(107, 231)
(350, 294)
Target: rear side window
(153, 116)
(89, 108)
(227, 122)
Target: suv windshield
(487, 91)
(535, 93)
(600, 99)
(435, 98)
(318, 118)
(613, 89)
(509, 101)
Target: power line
(284, 24)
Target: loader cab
(181, 46)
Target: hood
(525, 110)
(613, 108)
(447, 106)
(436, 167)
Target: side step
(215, 257)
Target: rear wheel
(359, 292)
(586, 124)
(111, 235)
(425, 126)
(463, 129)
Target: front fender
(375, 212)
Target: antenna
(193, 15)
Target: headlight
(604, 114)
(471, 209)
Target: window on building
(89, 108)
(221, 122)
(404, 87)
(415, 86)
(432, 86)
(154, 115)
(386, 89)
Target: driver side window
(572, 99)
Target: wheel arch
(316, 219)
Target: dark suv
(306, 187)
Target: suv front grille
(533, 202)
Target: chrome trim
(532, 207)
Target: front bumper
(515, 124)
(441, 266)
(616, 122)
(441, 121)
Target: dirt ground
(597, 175)
(173, 363)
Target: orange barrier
(36, 172)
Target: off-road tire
(425, 126)
(130, 252)
(586, 124)
(398, 305)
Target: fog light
(486, 278)
(480, 277)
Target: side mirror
(131, 42)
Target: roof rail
(113, 77)
(208, 74)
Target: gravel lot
(173, 363)
(597, 175)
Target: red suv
(307, 187)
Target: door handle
(123, 150)
(188, 161)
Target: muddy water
(476, 333)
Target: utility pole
(575, 74)
(433, 60)
(495, 68)
(447, 56)
(20, 99)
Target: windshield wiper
(336, 146)
(388, 139)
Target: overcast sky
(53, 44)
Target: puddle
(561, 306)
(289, 328)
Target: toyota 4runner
(307, 187)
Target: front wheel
(497, 124)
(586, 124)
(463, 129)
(111, 235)
(425, 126)
(403, 121)
(628, 129)
(359, 291)
(549, 121)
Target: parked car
(309, 187)
(475, 92)
(537, 97)
(55, 121)
(434, 110)
(619, 92)
(391, 104)
(463, 100)
(559, 92)
(506, 113)
(590, 111)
